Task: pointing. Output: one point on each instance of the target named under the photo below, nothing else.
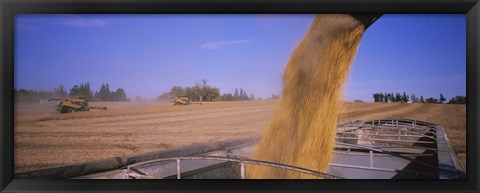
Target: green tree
(227, 97)
(405, 97)
(375, 97)
(120, 95)
(197, 92)
(398, 97)
(235, 95)
(75, 91)
(442, 98)
(204, 89)
(105, 93)
(204, 83)
(212, 93)
(59, 92)
(96, 96)
(458, 100)
(85, 91)
(414, 99)
(189, 92)
(109, 92)
(241, 96)
(421, 99)
(431, 100)
(177, 91)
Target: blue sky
(148, 54)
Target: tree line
(399, 97)
(237, 96)
(204, 92)
(81, 90)
(198, 92)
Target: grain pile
(302, 130)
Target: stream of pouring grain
(302, 131)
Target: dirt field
(44, 138)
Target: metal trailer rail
(398, 129)
(392, 131)
(371, 150)
(409, 139)
(132, 173)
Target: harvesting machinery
(182, 100)
(74, 104)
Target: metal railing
(132, 173)
(391, 131)
(387, 152)
(405, 128)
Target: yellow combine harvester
(74, 104)
(182, 100)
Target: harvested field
(44, 138)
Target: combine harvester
(74, 104)
(183, 100)
(376, 149)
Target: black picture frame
(8, 9)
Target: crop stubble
(45, 138)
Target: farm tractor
(74, 104)
(182, 100)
